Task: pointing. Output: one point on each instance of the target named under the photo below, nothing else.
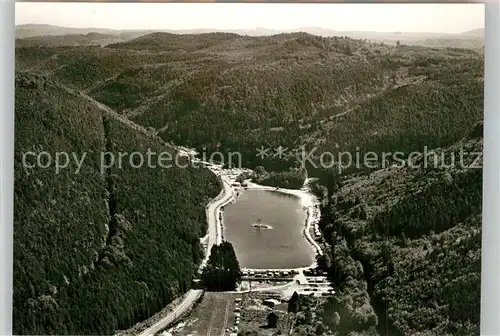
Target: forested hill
(225, 92)
(96, 252)
(406, 246)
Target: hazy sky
(449, 18)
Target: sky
(442, 18)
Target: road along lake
(266, 230)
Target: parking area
(275, 275)
(312, 281)
(229, 313)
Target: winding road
(214, 223)
(214, 235)
(185, 305)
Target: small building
(271, 302)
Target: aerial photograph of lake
(279, 241)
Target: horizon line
(253, 28)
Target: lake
(283, 246)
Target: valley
(369, 250)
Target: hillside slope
(45, 30)
(397, 237)
(225, 92)
(222, 92)
(407, 246)
(96, 252)
(68, 40)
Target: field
(218, 312)
(246, 312)
(210, 317)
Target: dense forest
(97, 252)
(292, 179)
(227, 93)
(406, 247)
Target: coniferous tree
(222, 271)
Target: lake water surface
(283, 246)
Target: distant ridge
(474, 33)
(32, 30)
